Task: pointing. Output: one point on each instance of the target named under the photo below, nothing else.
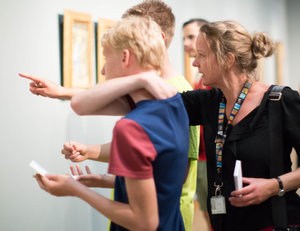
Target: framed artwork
(103, 25)
(279, 63)
(190, 71)
(187, 67)
(78, 49)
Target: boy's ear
(126, 58)
(163, 35)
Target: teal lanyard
(221, 136)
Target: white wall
(293, 45)
(35, 128)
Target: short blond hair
(142, 36)
(160, 12)
(230, 36)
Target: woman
(227, 58)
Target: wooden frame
(103, 24)
(190, 71)
(78, 49)
(187, 67)
(279, 63)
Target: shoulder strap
(279, 213)
(276, 93)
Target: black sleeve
(291, 117)
(200, 104)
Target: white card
(38, 168)
(237, 175)
(218, 205)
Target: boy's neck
(140, 95)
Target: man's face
(190, 33)
(113, 63)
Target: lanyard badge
(218, 201)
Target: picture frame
(103, 25)
(187, 67)
(190, 72)
(78, 49)
(279, 62)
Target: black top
(247, 141)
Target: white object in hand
(38, 168)
(237, 175)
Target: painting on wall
(189, 70)
(78, 49)
(279, 63)
(103, 25)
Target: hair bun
(262, 46)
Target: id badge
(218, 205)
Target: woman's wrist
(274, 187)
(140, 81)
(144, 78)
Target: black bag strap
(279, 212)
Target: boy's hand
(93, 180)
(44, 87)
(75, 152)
(57, 185)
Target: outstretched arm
(47, 88)
(114, 104)
(140, 214)
(98, 100)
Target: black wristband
(281, 190)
